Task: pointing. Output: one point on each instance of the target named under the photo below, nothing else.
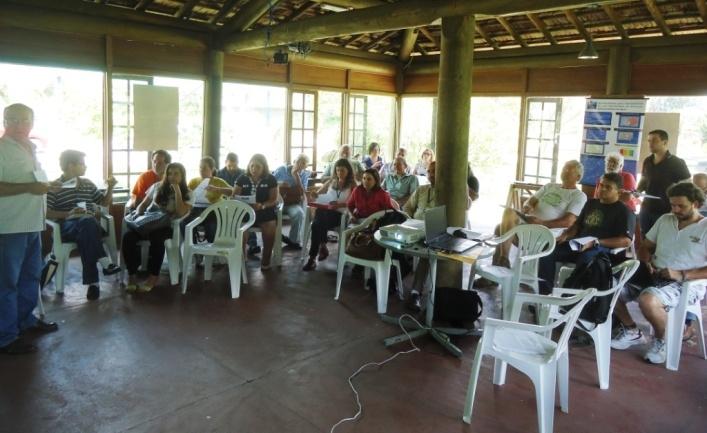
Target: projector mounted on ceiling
(280, 57)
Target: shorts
(667, 292)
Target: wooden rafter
(657, 17)
(185, 9)
(380, 39)
(225, 9)
(248, 15)
(426, 33)
(420, 48)
(353, 40)
(506, 25)
(540, 25)
(577, 23)
(300, 11)
(143, 4)
(480, 30)
(616, 20)
(407, 44)
(702, 8)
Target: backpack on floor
(597, 274)
(458, 307)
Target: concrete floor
(277, 360)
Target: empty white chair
(530, 349)
(381, 268)
(674, 327)
(231, 225)
(62, 250)
(534, 241)
(600, 333)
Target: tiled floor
(277, 359)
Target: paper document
(200, 192)
(250, 199)
(71, 183)
(643, 195)
(578, 244)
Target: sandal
(311, 265)
(323, 253)
(131, 288)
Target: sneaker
(112, 269)
(627, 337)
(294, 246)
(93, 292)
(656, 354)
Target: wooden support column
(618, 72)
(454, 98)
(212, 105)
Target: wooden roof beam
(185, 9)
(143, 4)
(616, 20)
(657, 17)
(353, 40)
(353, 4)
(420, 48)
(301, 11)
(577, 23)
(382, 38)
(426, 33)
(225, 9)
(393, 16)
(540, 25)
(506, 25)
(702, 8)
(248, 15)
(480, 30)
(407, 44)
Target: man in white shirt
(674, 251)
(23, 186)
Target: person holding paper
(660, 170)
(79, 223)
(23, 185)
(603, 225)
(207, 190)
(292, 181)
(674, 251)
(334, 192)
(160, 159)
(374, 159)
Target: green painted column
(452, 143)
(212, 104)
(618, 72)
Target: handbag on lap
(147, 222)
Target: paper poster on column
(611, 125)
(156, 117)
(668, 122)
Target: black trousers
(324, 220)
(132, 253)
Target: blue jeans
(88, 235)
(20, 269)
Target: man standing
(22, 188)
(160, 159)
(607, 219)
(660, 170)
(292, 180)
(674, 251)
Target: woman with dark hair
(337, 190)
(373, 160)
(172, 196)
(259, 182)
(207, 190)
(369, 198)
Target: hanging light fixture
(588, 52)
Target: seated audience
(292, 180)
(428, 156)
(369, 198)
(614, 163)
(171, 195)
(398, 183)
(75, 209)
(206, 190)
(373, 160)
(230, 172)
(389, 168)
(337, 190)
(673, 251)
(344, 153)
(259, 182)
(606, 218)
(700, 181)
(160, 159)
(555, 205)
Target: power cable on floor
(378, 364)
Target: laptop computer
(436, 236)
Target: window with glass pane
(303, 123)
(68, 113)
(417, 126)
(380, 124)
(542, 139)
(253, 121)
(328, 127)
(128, 164)
(358, 106)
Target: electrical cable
(370, 364)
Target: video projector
(402, 233)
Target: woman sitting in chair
(337, 190)
(172, 196)
(259, 182)
(369, 198)
(207, 190)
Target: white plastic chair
(62, 250)
(600, 333)
(530, 349)
(534, 241)
(228, 241)
(675, 323)
(380, 267)
(308, 216)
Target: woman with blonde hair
(428, 155)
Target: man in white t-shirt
(674, 251)
(555, 205)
